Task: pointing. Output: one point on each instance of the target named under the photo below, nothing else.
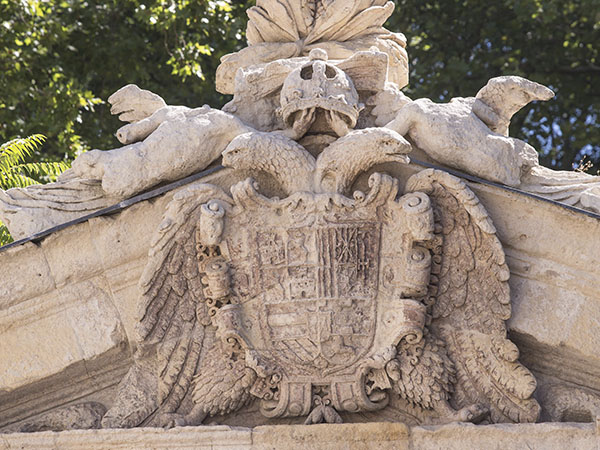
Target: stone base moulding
(382, 436)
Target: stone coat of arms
(325, 303)
(350, 296)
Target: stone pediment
(69, 328)
(358, 257)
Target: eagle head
(237, 154)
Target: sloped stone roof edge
(204, 173)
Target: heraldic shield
(325, 303)
(315, 277)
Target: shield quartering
(324, 286)
(320, 312)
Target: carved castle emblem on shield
(331, 272)
(326, 302)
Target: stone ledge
(346, 436)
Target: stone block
(37, 342)
(47, 334)
(93, 317)
(25, 274)
(547, 436)
(72, 255)
(123, 281)
(373, 436)
(122, 238)
(333, 436)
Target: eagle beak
(402, 159)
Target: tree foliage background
(16, 172)
(61, 59)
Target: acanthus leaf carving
(315, 20)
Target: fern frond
(15, 172)
(18, 150)
(43, 171)
(5, 237)
(13, 179)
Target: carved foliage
(315, 20)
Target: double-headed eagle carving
(326, 304)
(333, 292)
(348, 297)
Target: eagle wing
(173, 316)
(469, 302)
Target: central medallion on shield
(321, 283)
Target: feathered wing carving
(469, 302)
(423, 374)
(224, 384)
(176, 339)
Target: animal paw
(473, 413)
(89, 165)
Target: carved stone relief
(319, 303)
(284, 69)
(327, 302)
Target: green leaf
(5, 237)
